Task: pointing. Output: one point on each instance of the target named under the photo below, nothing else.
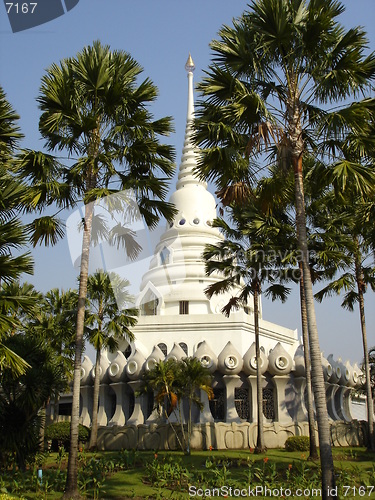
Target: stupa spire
(188, 159)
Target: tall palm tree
(357, 276)
(248, 258)
(266, 93)
(94, 109)
(107, 322)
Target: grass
(169, 474)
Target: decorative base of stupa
(221, 436)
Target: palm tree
(56, 324)
(247, 258)
(192, 377)
(107, 322)
(273, 73)
(13, 235)
(358, 274)
(93, 109)
(22, 397)
(161, 379)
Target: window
(268, 404)
(184, 307)
(165, 256)
(241, 402)
(163, 348)
(217, 404)
(65, 408)
(184, 347)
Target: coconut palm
(107, 322)
(274, 73)
(94, 110)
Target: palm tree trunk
(189, 427)
(71, 487)
(94, 424)
(306, 353)
(260, 446)
(56, 405)
(317, 378)
(361, 300)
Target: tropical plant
(357, 276)
(247, 258)
(108, 321)
(13, 236)
(161, 379)
(56, 324)
(274, 73)
(93, 108)
(23, 397)
(191, 378)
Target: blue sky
(159, 35)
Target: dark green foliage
(23, 397)
(297, 443)
(59, 434)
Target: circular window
(206, 361)
(132, 367)
(347, 374)
(182, 222)
(83, 372)
(253, 362)
(114, 369)
(231, 362)
(196, 221)
(355, 377)
(209, 223)
(281, 362)
(151, 363)
(329, 371)
(338, 372)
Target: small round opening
(231, 362)
(114, 369)
(206, 361)
(182, 222)
(151, 363)
(281, 362)
(132, 367)
(196, 221)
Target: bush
(297, 443)
(59, 434)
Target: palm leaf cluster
(172, 382)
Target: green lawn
(122, 475)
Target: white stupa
(174, 306)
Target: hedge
(297, 443)
(59, 434)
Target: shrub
(59, 434)
(297, 443)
